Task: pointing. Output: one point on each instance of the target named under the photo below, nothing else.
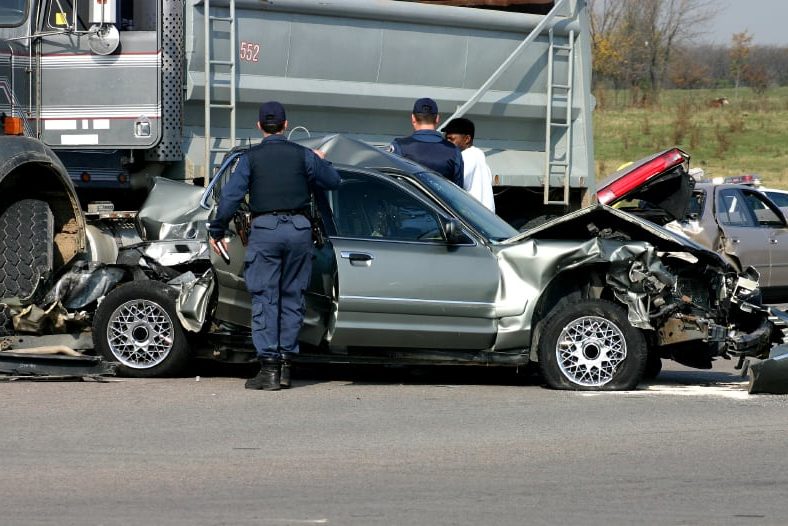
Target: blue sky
(764, 19)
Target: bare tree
(647, 33)
(741, 46)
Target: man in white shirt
(478, 178)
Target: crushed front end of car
(689, 303)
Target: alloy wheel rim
(589, 349)
(140, 334)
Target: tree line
(649, 45)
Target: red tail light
(639, 175)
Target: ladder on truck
(556, 92)
(213, 153)
(559, 127)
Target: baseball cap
(425, 105)
(272, 113)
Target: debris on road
(53, 362)
(770, 376)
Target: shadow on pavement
(379, 374)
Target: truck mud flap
(770, 376)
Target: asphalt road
(401, 446)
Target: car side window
(765, 216)
(780, 200)
(366, 207)
(731, 209)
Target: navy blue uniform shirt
(428, 147)
(320, 174)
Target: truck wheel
(136, 324)
(6, 323)
(26, 248)
(589, 345)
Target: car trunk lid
(661, 183)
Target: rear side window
(12, 12)
(779, 199)
(764, 215)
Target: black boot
(284, 378)
(287, 365)
(268, 379)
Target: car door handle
(735, 241)
(773, 241)
(358, 258)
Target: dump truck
(99, 98)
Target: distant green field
(750, 135)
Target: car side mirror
(452, 230)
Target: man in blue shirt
(279, 177)
(427, 146)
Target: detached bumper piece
(21, 366)
(771, 375)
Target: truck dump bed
(356, 67)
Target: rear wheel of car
(26, 248)
(589, 345)
(137, 325)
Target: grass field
(748, 136)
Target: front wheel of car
(589, 345)
(137, 325)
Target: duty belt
(294, 212)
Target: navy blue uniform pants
(278, 266)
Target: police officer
(278, 175)
(427, 146)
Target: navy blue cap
(425, 105)
(272, 113)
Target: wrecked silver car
(416, 271)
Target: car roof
(347, 151)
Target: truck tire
(589, 345)
(137, 325)
(6, 323)
(26, 248)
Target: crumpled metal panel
(172, 211)
(527, 268)
(195, 293)
(83, 284)
(602, 221)
(176, 252)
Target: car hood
(661, 182)
(602, 221)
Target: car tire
(589, 345)
(137, 325)
(26, 248)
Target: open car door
(234, 303)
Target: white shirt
(478, 178)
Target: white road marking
(732, 390)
